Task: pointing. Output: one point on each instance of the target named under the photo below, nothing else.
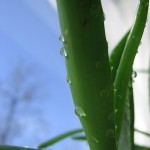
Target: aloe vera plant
(89, 72)
(101, 86)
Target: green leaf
(125, 67)
(126, 141)
(59, 138)
(80, 138)
(88, 69)
(144, 133)
(8, 147)
(137, 147)
(142, 71)
(116, 54)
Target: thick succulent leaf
(88, 70)
(125, 67)
(126, 141)
(59, 138)
(117, 53)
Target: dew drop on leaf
(68, 80)
(112, 68)
(61, 38)
(116, 110)
(63, 52)
(104, 93)
(134, 74)
(110, 133)
(140, 43)
(95, 139)
(115, 90)
(79, 111)
(116, 127)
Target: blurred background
(35, 100)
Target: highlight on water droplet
(115, 90)
(116, 127)
(68, 80)
(95, 139)
(134, 74)
(61, 38)
(140, 43)
(116, 110)
(79, 112)
(110, 133)
(63, 52)
(112, 68)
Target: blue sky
(29, 33)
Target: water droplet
(79, 112)
(112, 68)
(139, 13)
(63, 52)
(61, 38)
(116, 127)
(68, 80)
(140, 43)
(116, 110)
(104, 93)
(134, 74)
(133, 37)
(110, 133)
(95, 139)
